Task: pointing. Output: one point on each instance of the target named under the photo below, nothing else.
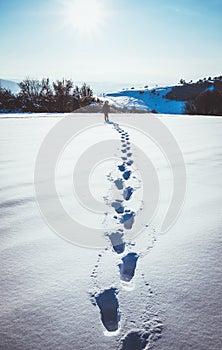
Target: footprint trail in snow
(142, 333)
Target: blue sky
(144, 41)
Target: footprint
(128, 266)
(118, 207)
(109, 309)
(130, 162)
(127, 220)
(127, 193)
(117, 242)
(122, 167)
(119, 184)
(135, 340)
(126, 174)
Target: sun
(85, 17)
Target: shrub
(41, 96)
(8, 101)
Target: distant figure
(106, 110)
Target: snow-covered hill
(11, 85)
(146, 100)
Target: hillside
(189, 91)
(10, 85)
(146, 100)
(164, 100)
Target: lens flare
(84, 17)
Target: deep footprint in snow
(135, 340)
(127, 193)
(109, 309)
(127, 220)
(126, 174)
(117, 242)
(128, 266)
(119, 184)
(117, 205)
(122, 167)
(130, 162)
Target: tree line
(43, 96)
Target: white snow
(147, 100)
(48, 285)
(9, 84)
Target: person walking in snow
(106, 110)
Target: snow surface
(54, 295)
(147, 100)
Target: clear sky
(139, 41)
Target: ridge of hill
(9, 85)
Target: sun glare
(84, 16)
